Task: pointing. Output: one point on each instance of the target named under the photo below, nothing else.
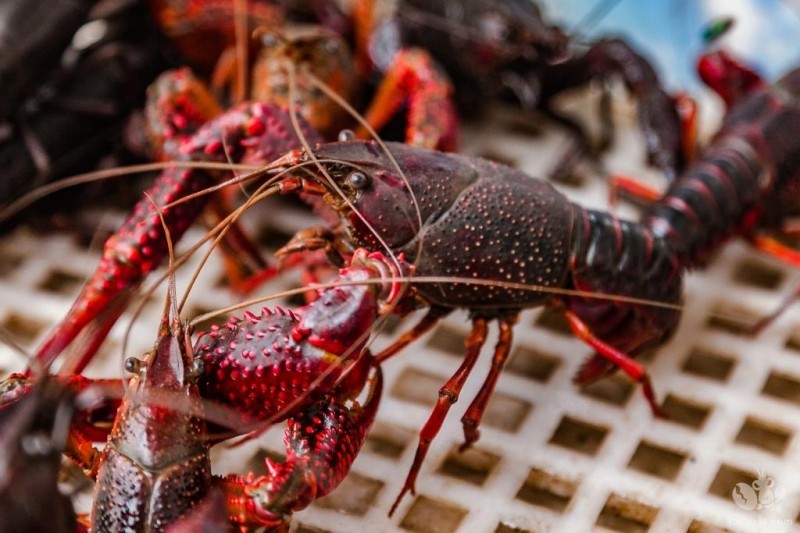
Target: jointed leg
(430, 319)
(633, 368)
(472, 418)
(448, 395)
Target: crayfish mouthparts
(391, 271)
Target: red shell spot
(180, 121)
(255, 126)
(212, 147)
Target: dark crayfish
(746, 181)
(33, 436)
(72, 117)
(495, 48)
(34, 36)
(40, 420)
(482, 221)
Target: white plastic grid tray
(551, 457)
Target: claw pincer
(308, 365)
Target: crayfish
(745, 182)
(61, 107)
(505, 49)
(308, 365)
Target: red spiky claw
(415, 78)
(731, 79)
(321, 443)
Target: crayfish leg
(472, 418)
(658, 117)
(431, 318)
(448, 395)
(624, 362)
(415, 79)
(244, 265)
(631, 188)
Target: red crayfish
(308, 365)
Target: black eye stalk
(358, 180)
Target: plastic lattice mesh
(551, 457)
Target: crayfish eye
(133, 365)
(358, 180)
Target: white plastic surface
(550, 457)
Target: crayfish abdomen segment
(622, 258)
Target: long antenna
(593, 17)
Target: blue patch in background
(766, 33)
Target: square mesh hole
(757, 274)
(256, 462)
(554, 321)
(533, 364)
(306, 528)
(416, 386)
(448, 340)
(473, 466)
(626, 516)
(708, 364)
(614, 390)
(355, 496)
(388, 440)
(205, 325)
(732, 318)
(764, 435)
(698, 526)
(498, 157)
(783, 387)
(579, 436)
(793, 341)
(547, 490)
(9, 262)
(657, 461)
(523, 125)
(427, 515)
(273, 238)
(60, 282)
(685, 412)
(23, 329)
(508, 528)
(505, 412)
(727, 478)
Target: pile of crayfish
(406, 225)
